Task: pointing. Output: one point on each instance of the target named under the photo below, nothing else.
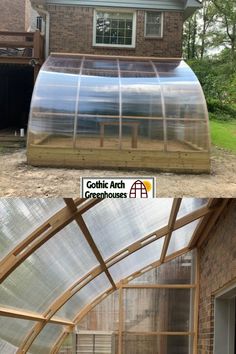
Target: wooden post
(196, 304)
(121, 319)
(37, 53)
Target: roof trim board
(171, 5)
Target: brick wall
(217, 269)
(12, 15)
(71, 30)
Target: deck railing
(22, 48)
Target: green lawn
(223, 134)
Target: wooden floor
(113, 143)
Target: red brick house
(140, 28)
(17, 15)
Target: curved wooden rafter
(71, 212)
(41, 235)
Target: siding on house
(178, 5)
(71, 30)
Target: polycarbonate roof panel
(14, 330)
(170, 272)
(49, 271)
(46, 339)
(188, 205)
(84, 297)
(175, 71)
(180, 238)
(21, 216)
(7, 348)
(137, 260)
(115, 224)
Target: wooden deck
(25, 48)
(8, 139)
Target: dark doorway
(16, 86)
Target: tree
(226, 19)
(190, 38)
(206, 15)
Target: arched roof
(60, 257)
(75, 93)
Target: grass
(223, 134)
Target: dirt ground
(19, 179)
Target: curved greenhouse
(96, 111)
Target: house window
(154, 24)
(114, 29)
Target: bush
(218, 79)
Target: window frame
(162, 25)
(133, 12)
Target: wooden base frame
(179, 162)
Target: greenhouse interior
(112, 276)
(118, 112)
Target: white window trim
(114, 45)
(162, 24)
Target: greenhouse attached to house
(117, 277)
(124, 112)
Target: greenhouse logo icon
(116, 187)
(139, 189)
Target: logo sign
(118, 187)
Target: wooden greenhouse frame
(118, 120)
(73, 211)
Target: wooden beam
(212, 222)
(158, 286)
(37, 238)
(80, 221)
(71, 204)
(172, 220)
(121, 320)
(196, 304)
(16, 34)
(202, 224)
(146, 240)
(32, 316)
(163, 333)
(88, 236)
(20, 44)
(113, 56)
(15, 60)
(194, 215)
(56, 347)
